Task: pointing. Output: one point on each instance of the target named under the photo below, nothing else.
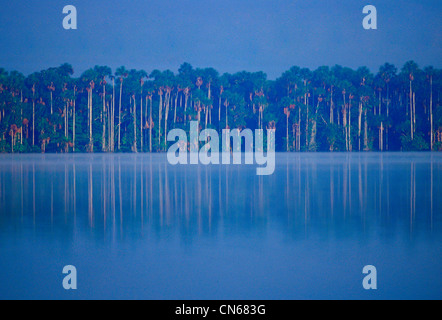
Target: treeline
(328, 109)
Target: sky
(228, 35)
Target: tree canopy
(327, 109)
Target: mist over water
(136, 227)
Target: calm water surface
(138, 228)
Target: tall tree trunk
(91, 143)
(298, 129)
(431, 113)
(73, 124)
(141, 122)
(166, 117)
(381, 137)
(111, 119)
(206, 114)
(103, 136)
(344, 123)
(66, 125)
(306, 120)
(52, 110)
(388, 115)
(360, 124)
(226, 103)
(146, 112)
(160, 116)
(411, 113)
(33, 115)
(92, 121)
(135, 125)
(113, 116)
(350, 143)
(186, 94)
(414, 112)
(209, 96)
(65, 112)
(176, 104)
(287, 131)
(331, 105)
(119, 114)
(219, 110)
(21, 117)
(88, 116)
(365, 131)
(150, 124)
(380, 103)
(314, 128)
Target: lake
(136, 227)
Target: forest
(328, 109)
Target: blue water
(138, 228)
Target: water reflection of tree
(142, 195)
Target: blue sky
(229, 35)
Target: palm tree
(387, 73)
(221, 91)
(226, 104)
(112, 117)
(150, 122)
(134, 147)
(360, 121)
(121, 73)
(350, 143)
(134, 84)
(209, 75)
(344, 120)
(74, 123)
(314, 126)
(90, 90)
(89, 78)
(102, 73)
(51, 89)
(430, 73)
(306, 79)
(287, 113)
(185, 82)
(166, 114)
(261, 101)
(410, 70)
(160, 115)
(142, 75)
(33, 114)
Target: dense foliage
(328, 109)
